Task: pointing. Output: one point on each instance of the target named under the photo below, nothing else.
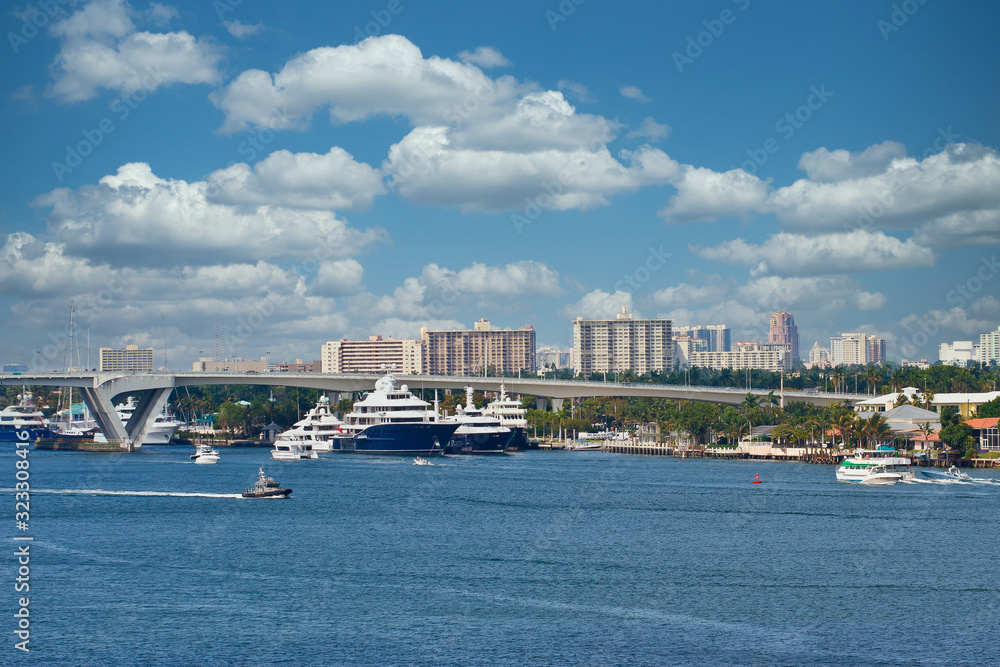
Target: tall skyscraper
(783, 330)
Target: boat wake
(105, 492)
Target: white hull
(855, 469)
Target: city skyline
(341, 172)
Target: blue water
(540, 558)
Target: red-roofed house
(986, 432)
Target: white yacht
(319, 428)
(478, 433)
(292, 450)
(392, 420)
(511, 415)
(160, 431)
(21, 422)
(205, 454)
(855, 468)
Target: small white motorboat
(292, 450)
(879, 476)
(205, 454)
(421, 461)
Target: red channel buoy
(756, 478)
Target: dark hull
(24, 434)
(77, 444)
(518, 441)
(421, 438)
(480, 443)
(274, 493)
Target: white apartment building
(958, 353)
(744, 355)
(374, 355)
(684, 345)
(989, 347)
(621, 344)
(849, 349)
(716, 335)
(131, 359)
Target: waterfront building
(923, 364)
(746, 354)
(989, 347)
(717, 336)
(986, 433)
(958, 353)
(131, 359)
(209, 365)
(783, 331)
(885, 402)
(373, 356)
(465, 352)
(965, 403)
(622, 344)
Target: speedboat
(265, 487)
(292, 450)
(421, 461)
(880, 476)
(205, 454)
(855, 468)
(953, 474)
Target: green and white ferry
(855, 468)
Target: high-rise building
(374, 355)
(716, 335)
(875, 350)
(129, 359)
(745, 354)
(849, 349)
(464, 352)
(958, 353)
(684, 345)
(989, 347)
(819, 357)
(621, 344)
(783, 330)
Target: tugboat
(265, 487)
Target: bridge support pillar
(149, 404)
(104, 414)
(542, 404)
(557, 404)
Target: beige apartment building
(605, 346)
(374, 355)
(483, 349)
(131, 359)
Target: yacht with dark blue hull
(20, 423)
(392, 420)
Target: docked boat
(292, 450)
(159, 432)
(265, 487)
(391, 420)
(22, 423)
(513, 416)
(477, 433)
(320, 428)
(879, 476)
(855, 468)
(585, 446)
(953, 474)
(205, 454)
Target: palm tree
(926, 396)
(846, 423)
(877, 429)
(871, 375)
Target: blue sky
(347, 169)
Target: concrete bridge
(99, 390)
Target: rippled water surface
(553, 558)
